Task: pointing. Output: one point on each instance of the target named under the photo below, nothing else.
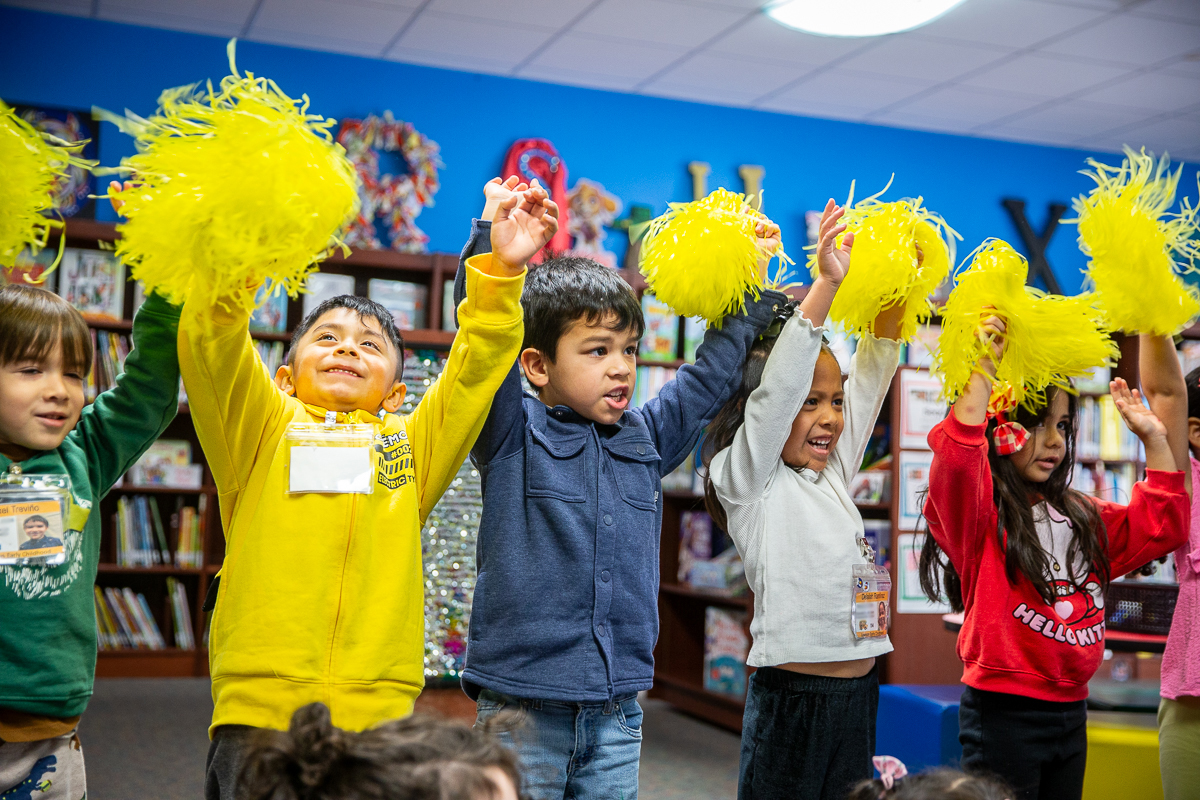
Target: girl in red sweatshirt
(1028, 558)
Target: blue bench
(919, 724)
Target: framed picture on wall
(909, 597)
(71, 125)
(913, 470)
(921, 408)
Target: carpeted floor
(148, 739)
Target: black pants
(1038, 747)
(226, 756)
(807, 737)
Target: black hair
(417, 758)
(568, 288)
(364, 307)
(1193, 388)
(938, 783)
(36, 518)
(1016, 532)
(33, 320)
(725, 424)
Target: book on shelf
(660, 342)
(726, 646)
(108, 362)
(94, 282)
(1112, 482)
(650, 381)
(322, 286)
(167, 463)
(1101, 432)
(872, 486)
(270, 309)
(695, 541)
(723, 574)
(32, 270)
(406, 301)
(878, 533)
(448, 323)
(189, 526)
(271, 355)
(140, 538)
(181, 615)
(124, 621)
(694, 329)
(686, 477)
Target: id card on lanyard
(870, 612)
(330, 458)
(32, 513)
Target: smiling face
(1047, 444)
(35, 528)
(593, 372)
(344, 362)
(816, 429)
(40, 402)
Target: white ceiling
(1085, 73)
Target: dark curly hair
(417, 758)
(933, 784)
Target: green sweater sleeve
(117, 428)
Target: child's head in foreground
(1193, 389)
(417, 758)
(933, 784)
(347, 354)
(582, 327)
(45, 357)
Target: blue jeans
(569, 751)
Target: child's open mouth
(1048, 464)
(343, 371)
(617, 399)
(53, 419)
(820, 445)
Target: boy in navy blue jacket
(565, 613)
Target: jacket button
(641, 450)
(608, 519)
(604, 576)
(600, 628)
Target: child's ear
(395, 397)
(283, 379)
(1194, 434)
(534, 363)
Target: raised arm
(1162, 382)
(117, 428)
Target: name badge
(32, 509)
(330, 458)
(870, 613)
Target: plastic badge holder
(32, 510)
(872, 588)
(330, 458)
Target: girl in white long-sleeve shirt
(780, 456)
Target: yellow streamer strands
(884, 269)
(234, 187)
(1125, 227)
(1050, 338)
(701, 258)
(32, 161)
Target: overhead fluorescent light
(857, 17)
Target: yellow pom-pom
(1133, 241)
(885, 269)
(1050, 338)
(701, 258)
(233, 187)
(33, 161)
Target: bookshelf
(431, 270)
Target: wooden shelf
(169, 663)
(208, 490)
(1093, 461)
(158, 569)
(873, 506)
(715, 598)
(693, 698)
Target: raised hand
(523, 224)
(768, 239)
(833, 262)
(992, 330)
(495, 191)
(1140, 419)
(114, 188)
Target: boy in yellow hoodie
(320, 598)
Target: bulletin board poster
(920, 408)
(909, 597)
(913, 470)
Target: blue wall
(638, 147)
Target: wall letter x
(1035, 244)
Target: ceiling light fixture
(857, 17)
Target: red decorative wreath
(399, 199)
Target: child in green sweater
(48, 635)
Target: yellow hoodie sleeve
(232, 400)
(446, 423)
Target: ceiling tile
(1179, 136)
(462, 43)
(76, 8)
(1046, 76)
(369, 25)
(219, 17)
(1038, 136)
(925, 59)
(815, 108)
(1013, 23)
(1154, 91)
(843, 88)
(537, 13)
(734, 96)
(963, 108)
(657, 21)
(1183, 10)
(1083, 119)
(1130, 39)
(717, 72)
(615, 64)
(763, 38)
